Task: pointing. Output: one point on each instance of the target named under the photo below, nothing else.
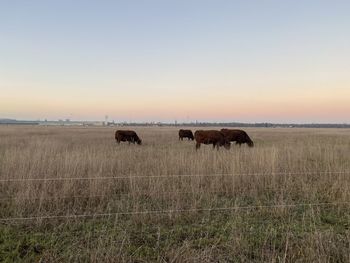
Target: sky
(161, 60)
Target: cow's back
(208, 136)
(124, 133)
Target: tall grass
(286, 166)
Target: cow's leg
(198, 145)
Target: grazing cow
(237, 136)
(127, 136)
(216, 138)
(186, 134)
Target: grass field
(285, 200)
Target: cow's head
(139, 141)
(249, 141)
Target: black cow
(186, 134)
(127, 136)
(238, 136)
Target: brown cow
(127, 136)
(216, 138)
(186, 134)
(238, 136)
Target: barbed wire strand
(171, 211)
(56, 198)
(163, 176)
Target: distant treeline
(192, 124)
(17, 122)
(238, 124)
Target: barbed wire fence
(131, 177)
(166, 211)
(171, 211)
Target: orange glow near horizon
(306, 106)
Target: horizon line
(173, 123)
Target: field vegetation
(73, 194)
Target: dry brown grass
(286, 166)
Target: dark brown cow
(238, 136)
(186, 134)
(127, 136)
(216, 138)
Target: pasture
(73, 194)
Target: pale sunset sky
(249, 61)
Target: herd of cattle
(224, 137)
